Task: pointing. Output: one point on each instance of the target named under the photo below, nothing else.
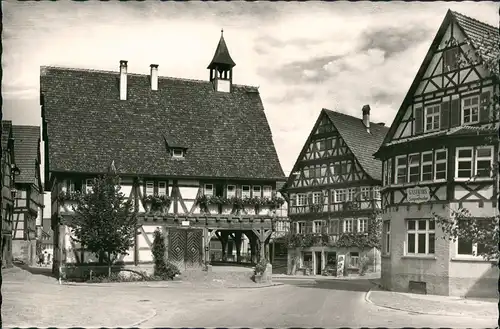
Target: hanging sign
(185, 223)
(418, 194)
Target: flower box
(213, 208)
(227, 209)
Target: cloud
(304, 56)
(395, 40)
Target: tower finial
(222, 32)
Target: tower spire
(221, 66)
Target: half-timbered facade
(8, 171)
(334, 191)
(28, 202)
(196, 157)
(438, 157)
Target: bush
(260, 267)
(162, 268)
(363, 265)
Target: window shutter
(445, 115)
(455, 113)
(484, 110)
(309, 225)
(354, 226)
(309, 198)
(419, 121)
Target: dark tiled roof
(6, 131)
(227, 135)
(360, 142)
(484, 37)
(26, 142)
(221, 56)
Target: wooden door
(185, 247)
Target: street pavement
(297, 302)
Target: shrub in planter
(259, 270)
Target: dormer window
(177, 153)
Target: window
(88, 185)
(426, 166)
(301, 227)
(257, 192)
(334, 226)
(450, 59)
(388, 172)
(350, 194)
(363, 225)
(420, 236)
(387, 237)
(413, 168)
(464, 163)
(432, 117)
(365, 193)
(318, 226)
(231, 191)
(301, 199)
(354, 259)
(376, 192)
(245, 191)
(209, 189)
(340, 195)
(267, 191)
(71, 186)
(468, 248)
(349, 225)
(401, 169)
(483, 163)
(317, 198)
(177, 153)
(150, 188)
(328, 144)
(162, 188)
(440, 164)
(321, 145)
(470, 110)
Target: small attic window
(177, 153)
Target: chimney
(154, 76)
(123, 80)
(366, 117)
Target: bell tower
(221, 67)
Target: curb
(368, 300)
(164, 286)
(277, 284)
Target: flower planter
(213, 209)
(263, 211)
(227, 209)
(147, 206)
(257, 278)
(250, 210)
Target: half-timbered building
(437, 157)
(28, 203)
(195, 156)
(334, 193)
(8, 172)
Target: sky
(304, 56)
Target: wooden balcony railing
(336, 207)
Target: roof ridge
(337, 112)
(474, 19)
(42, 67)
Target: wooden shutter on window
(445, 115)
(355, 225)
(419, 120)
(484, 109)
(309, 198)
(293, 200)
(308, 226)
(455, 113)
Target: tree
(104, 222)
(484, 232)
